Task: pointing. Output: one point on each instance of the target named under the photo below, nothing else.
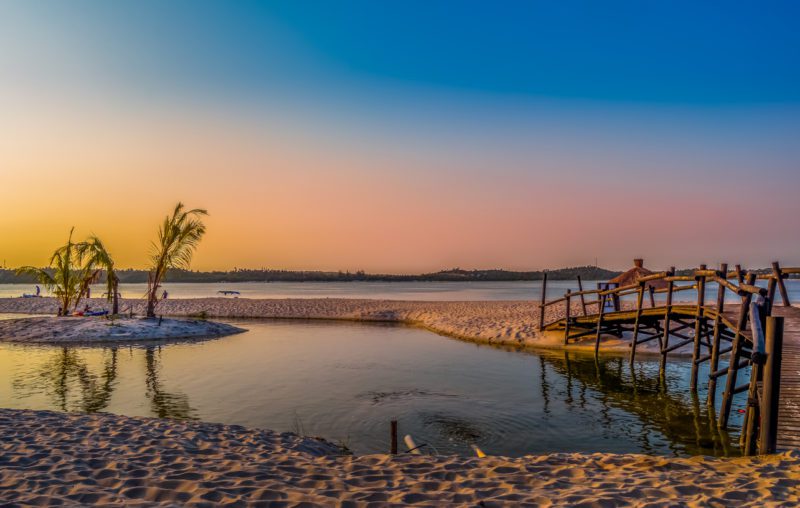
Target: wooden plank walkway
(789, 409)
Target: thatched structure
(638, 270)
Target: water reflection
(663, 403)
(163, 403)
(69, 382)
(67, 379)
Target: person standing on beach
(164, 295)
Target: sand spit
(53, 458)
(508, 323)
(99, 329)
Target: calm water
(379, 290)
(345, 382)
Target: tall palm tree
(65, 278)
(178, 237)
(97, 259)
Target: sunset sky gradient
(404, 136)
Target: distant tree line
(266, 275)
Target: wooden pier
(752, 336)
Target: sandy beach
(53, 458)
(507, 323)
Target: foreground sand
(51, 458)
(509, 323)
(99, 329)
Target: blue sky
(582, 99)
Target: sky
(404, 136)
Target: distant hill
(453, 275)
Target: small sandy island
(55, 458)
(98, 329)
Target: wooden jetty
(753, 334)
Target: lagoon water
(346, 381)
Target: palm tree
(65, 279)
(178, 237)
(99, 259)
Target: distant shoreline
(130, 276)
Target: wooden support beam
(716, 339)
(730, 380)
(776, 270)
(639, 301)
(771, 386)
(679, 345)
(583, 299)
(599, 325)
(566, 317)
(544, 299)
(667, 310)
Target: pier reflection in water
(345, 382)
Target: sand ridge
(49, 458)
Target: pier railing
(747, 333)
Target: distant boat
(229, 292)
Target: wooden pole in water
(733, 360)
(566, 316)
(544, 299)
(394, 437)
(776, 269)
(698, 326)
(639, 302)
(739, 273)
(583, 299)
(652, 292)
(717, 337)
(599, 325)
(772, 385)
(667, 311)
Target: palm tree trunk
(115, 298)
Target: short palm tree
(66, 279)
(178, 237)
(97, 259)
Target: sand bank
(50, 457)
(97, 329)
(508, 323)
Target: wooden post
(566, 316)
(717, 337)
(698, 326)
(752, 415)
(772, 385)
(771, 285)
(583, 299)
(667, 310)
(544, 299)
(394, 437)
(739, 273)
(639, 302)
(599, 325)
(652, 292)
(776, 269)
(733, 360)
